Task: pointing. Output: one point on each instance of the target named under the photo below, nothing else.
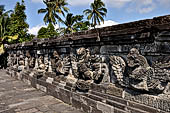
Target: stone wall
(122, 68)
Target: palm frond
(42, 11)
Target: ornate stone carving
(118, 66)
(46, 62)
(141, 70)
(140, 76)
(90, 69)
(41, 65)
(21, 63)
(10, 61)
(57, 64)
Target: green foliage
(82, 26)
(18, 25)
(75, 23)
(48, 32)
(53, 8)
(60, 6)
(42, 33)
(4, 21)
(96, 12)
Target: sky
(119, 11)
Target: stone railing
(122, 68)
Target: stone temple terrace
(123, 68)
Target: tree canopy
(17, 24)
(96, 13)
(53, 8)
(48, 32)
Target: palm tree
(50, 16)
(72, 23)
(96, 12)
(54, 7)
(4, 22)
(4, 19)
(60, 7)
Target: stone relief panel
(60, 64)
(29, 60)
(90, 69)
(118, 66)
(41, 64)
(83, 67)
(140, 75)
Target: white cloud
(37, 1)
(116, 3)
(34, 30)
(164, 3)
(141, 6)
(110, 3)
(107, 23)
(146, 9)
(79, 2)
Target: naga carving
(141, 70)
(41, 65)
(56, 63)
(118, 66)
(21, 63)
(139, 76)
(83, 68)
(91, 69)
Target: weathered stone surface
(115, 66)
(18, 97)
(105, 108)
(112, 90)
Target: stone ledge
(140, 28)
(91, 102)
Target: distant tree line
(14, 28)
(57, 12)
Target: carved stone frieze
(21, 62)
(56, 63)
(140, 75)
(118, 66)
(41, 65)
(90, 68)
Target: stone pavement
(18, 97)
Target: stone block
(105, 108)
(76, 104)
(134, 110)
(117, 99)
(98, 88)
(42, 82)
(116, 104)
(51, 89)
(40, 87)
(76, 96)
(85, 108)
(142, 107)
(94, 110)
(69, 84)
(49, 80)
(68, 88)
(96, 98)
(89, 102)
(113, 90)
(120, 111)
(65, 96)
(33, 82)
